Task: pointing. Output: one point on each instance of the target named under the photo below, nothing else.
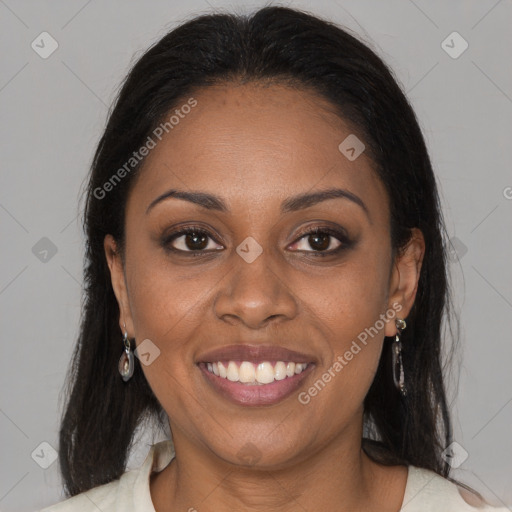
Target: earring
(398, 367)
(126, 361)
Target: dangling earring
(126, 361)
(398, 367)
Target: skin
(255, 146)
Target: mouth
(255, 375)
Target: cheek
(170, 306)
(165, 301)
(167, 310)
(348, 299)
(349, 306)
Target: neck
(339, 476)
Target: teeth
(233, 372)
(222, 370)
(264, 373)
(246, 372)
(280, 371)
(249, 373)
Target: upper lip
(254, 353)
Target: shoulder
(126, 494)
(101, 498)
(428, 491)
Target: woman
(266, 271)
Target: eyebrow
(292, 204)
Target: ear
(117, 276)
(404, 279)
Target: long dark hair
(275, 45)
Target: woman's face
(251, 284)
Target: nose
(255, 294)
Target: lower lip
(251, 395)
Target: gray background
(53, 111)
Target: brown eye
(191, 240)
(322, 241)
(319, 241)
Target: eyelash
(339, 235)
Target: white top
(425, 491)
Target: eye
(191, 239)
(323, 240)
(319, 241)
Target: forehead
(256, 144)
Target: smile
(255, 384)
(254, 375)
(250, 373)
